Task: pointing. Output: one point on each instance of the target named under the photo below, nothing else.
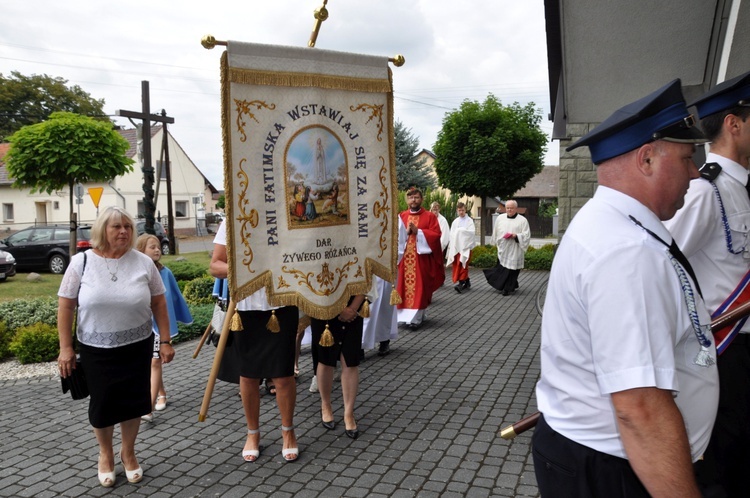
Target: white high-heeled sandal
(107, 479)
(251, 453)
(133, 476)
(289, 451)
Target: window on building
(161, 169)
(56, 205)
(181, 209)
(141, 209)
(8, 212)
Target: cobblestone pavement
(429, 416)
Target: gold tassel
(365, 310)
(273, 322)
(236, 322)
(326, 340)
(395, 298)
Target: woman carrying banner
(265, 354)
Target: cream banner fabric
(310, 174)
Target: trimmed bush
(185, 270)
(22, 312)
(6, 336)
(199, 291)
(35, 343)
(202, 314)
(535, 259)
(540, 259)
(484, 256)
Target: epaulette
(710, 171)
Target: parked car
(45, 247)
(140, 227)
(7, 265)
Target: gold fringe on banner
(236, 322)
(365, 313)
(274, 78)
(395, 298)
(326, 339)
(273, 322)
(304, 322)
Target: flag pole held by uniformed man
(718, 323)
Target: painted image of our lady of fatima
(317, 179)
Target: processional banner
(310, 174)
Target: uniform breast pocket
(739, 232)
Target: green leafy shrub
(22, 312)
(541, 258)
(35, 343)
(202, 314)
(447, 203)
(185, 270)
(199, 290)
(484, 256)
(6, 336)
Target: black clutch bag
(76, 383)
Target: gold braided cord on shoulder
(276, 78)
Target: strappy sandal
(289, 452)
(251, 455)
(270, 388)
(160, 405)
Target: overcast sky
(454, 51)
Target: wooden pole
(217, 362)
(202, 341)
(717, 324)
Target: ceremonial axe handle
(718, 323)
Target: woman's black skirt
(257, 353)
(119, 381)
(347, 338)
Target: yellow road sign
(96, 195)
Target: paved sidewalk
(429, 416)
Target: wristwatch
(166, 342)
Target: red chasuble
(419, 275)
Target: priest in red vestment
(420, 268)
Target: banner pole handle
(217, 362)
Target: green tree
(410, 171)
(26, 100)
(488, 149)
(65, 150)
(221, 202)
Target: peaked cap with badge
(661, 115)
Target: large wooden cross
(148, 170)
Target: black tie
(747, 187)
(675, 252)
(679, 256)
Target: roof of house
(544, 185)
(129, 135)
(4, 178)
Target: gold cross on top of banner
(209, 41)
(320, 15)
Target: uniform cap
(661, 115)
(724, 96)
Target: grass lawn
(18, 287)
